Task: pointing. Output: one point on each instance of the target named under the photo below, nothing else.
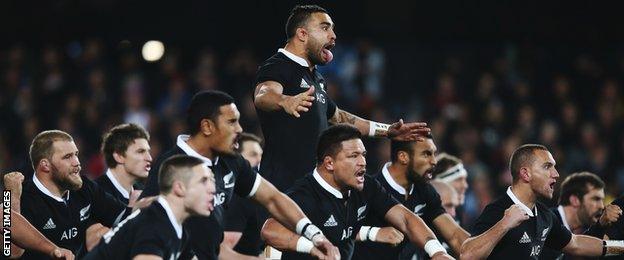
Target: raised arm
(481, 246)
(451, 231)
(269, 97)
(399, 131)
(416, 230)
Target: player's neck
(399, 174)
(123, 177)
(200, 146)
(571, 215)
(525, 194)
(299, 50)
(177, 207)
(49, 184)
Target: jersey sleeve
(106, 209)
(380, 200)
(247, 180)
(488, 218)
(272, 71)
(434, 205)
(235, 216)
(302, 198)
(147, 241)
(331, 108)
(559, 236)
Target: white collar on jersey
(326, 185)
(181, 142)
(174, 221)
(45, 190)
(563, 217)
(118, 185)
(390, 180)
(518, 202)
(293, 57)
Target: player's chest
(528, 238)
(225, 180)
(338, 219)
(64, 222)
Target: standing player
(338, 196)
(126, 151)
(293, 105)
(519, 226)
(186, 189)
(58, 201)
(242, 219)
(214, 129)
(406, 178)
(581, 208)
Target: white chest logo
(418, 208)
(304, 84)
(331, 222)
(360, 213)
(84, 213)
(50, 224)
(525, 239)
(228, 180)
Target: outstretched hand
(401, 131)
(301, 102)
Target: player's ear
(119, 158)
(207, 126)
(574, 201)
(524, 174)
(301, 34)
(328, 162)
(46, 165)
(403, 157)
(178, 188)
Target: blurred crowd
(479, 105)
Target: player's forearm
(284, 210)
(227, 253)
(278, 236)
(459, 236)
(268, 100)
(481, 246)
(581, 245)
(417, 231)
(344, 117)
(27, 236)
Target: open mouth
(360, 175)
(326, 52)
(552, 185)
(428, 174)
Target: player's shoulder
(499, 205)
(302, 187)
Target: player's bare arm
(269, 96)
(279, 237)
(582, 245)
(451, 231)
(397, 131)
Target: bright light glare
(153, 51)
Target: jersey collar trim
(518, 202)
(293, 57)
(118, 185)
(398, 188)
(564, 221)
(326, 185)
(174, 222)
(181, 142)
(45, 190)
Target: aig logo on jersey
(69, 234)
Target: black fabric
(424, 201)
(107, 185)
(65, 223)
(243, 215)
(290, 143)
(146, 232)
(233, 174)
(339, 219)
(543, 230)
(616, 230)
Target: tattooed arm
(398, 131)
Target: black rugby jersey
(153, 231)
(526, 241)
(232, 174)
(423, 200)
(64, 220)
(290, 142)
(616, 230)
(109, 184)
(339, 218)
(247, 217)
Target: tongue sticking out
(327, 55)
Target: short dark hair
(523, 156)
(578, 184)
(118, 139)
(299, 16)
(205, 105)
(42, 146)
(330, 141)
(245, 137)
(445, 161)
(176, 168)
(403, 146)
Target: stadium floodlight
(153, 50)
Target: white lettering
(69, 234)
(219, 199)
(346, 233)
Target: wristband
(433, 246)
(304, 245)
(299, 228)
(375, 126)
(368, 233)
(609, 243)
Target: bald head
(448, 196)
